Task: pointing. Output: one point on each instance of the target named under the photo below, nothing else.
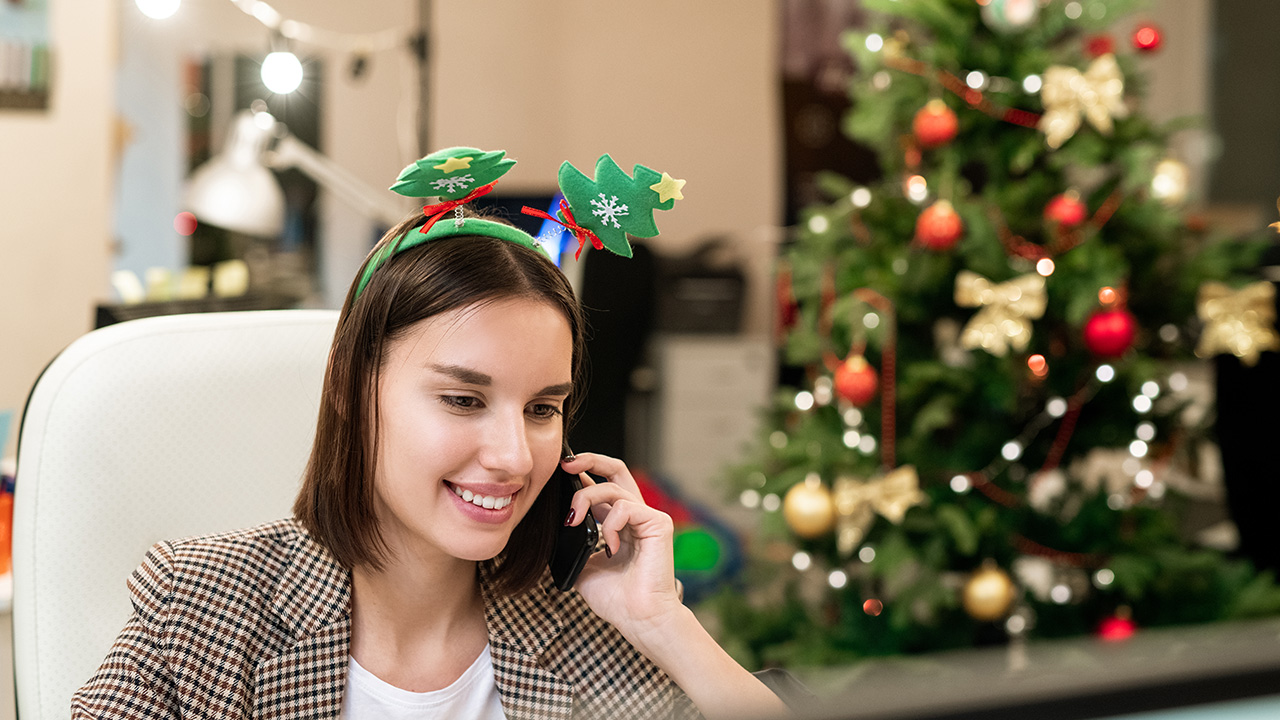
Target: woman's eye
(544, 412)
(460, 402)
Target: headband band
(466, 226)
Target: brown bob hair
(336, 501)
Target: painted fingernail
(569, 520)
(607, 552)
(569, 458)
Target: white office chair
(157, 428)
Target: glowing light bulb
(1057, 407)
(875, 42)
(917, 189)
(1038, 365)
(801, 560)
(867, 445)
(1045, 266)
(158, 9)
(282, 72)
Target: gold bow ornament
(858, 503)
(1007, 311)
(1068, 94)
(1240, 322)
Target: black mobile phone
(574, 544)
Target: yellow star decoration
(667, 188)
(453, 163)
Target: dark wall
(1246, 102)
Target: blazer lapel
(520, 629)
(313, 603)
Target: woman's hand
(633, 584)
(633, 587)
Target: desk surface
(1169, 668)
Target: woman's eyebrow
(475, 377)
(464, 374)
(561, 389)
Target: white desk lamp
(237, 191)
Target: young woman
(412, 580)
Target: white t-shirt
(474, 695)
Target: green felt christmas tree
(452, 173)
(614, 204)
(991, 424)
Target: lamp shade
(235, 190)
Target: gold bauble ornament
(988, 593)
(809, 509)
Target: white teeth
(484, 501)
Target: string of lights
(282, 71)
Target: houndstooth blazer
(257, 624)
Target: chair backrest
(151, 429)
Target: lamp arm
(289, 152)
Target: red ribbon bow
(437, 211)
(569, 224)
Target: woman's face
(471, 428)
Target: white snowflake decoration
(453, 184)
(608, 209)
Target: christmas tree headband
(602, 211)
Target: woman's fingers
(599, 498)
(643, 521)
(612, 469)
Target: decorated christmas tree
(991, 425)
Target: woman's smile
(482, 497)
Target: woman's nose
(506, 446)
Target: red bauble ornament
(939, 226)
(1066, 210)
(1117, 627)
(1147, 38)
(935, 124)
(856, 380)
(1099, 45)
(1109, 333)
